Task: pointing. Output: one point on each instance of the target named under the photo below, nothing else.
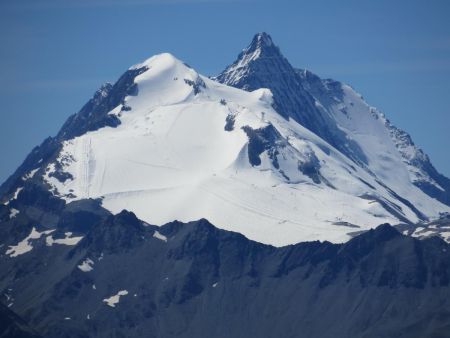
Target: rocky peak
(262, 43)
(259, 62)
(261, 65)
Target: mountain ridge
(169, 279)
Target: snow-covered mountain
(264, 149)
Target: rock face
(125, 278)
(12, 326)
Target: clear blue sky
(55, 54)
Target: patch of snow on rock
(30, 174)
(16, 193)
(67, 240)
(13, 213)
(159, 236)
(25, 246)
(86, 266)
(113, 300)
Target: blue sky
(55, 54)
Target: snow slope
(188, 147)
(379, 140)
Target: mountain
(177, 205)
(285, 157)
(95, 274)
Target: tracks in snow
(85, 166)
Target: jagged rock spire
(262, 43)
(260, 56)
